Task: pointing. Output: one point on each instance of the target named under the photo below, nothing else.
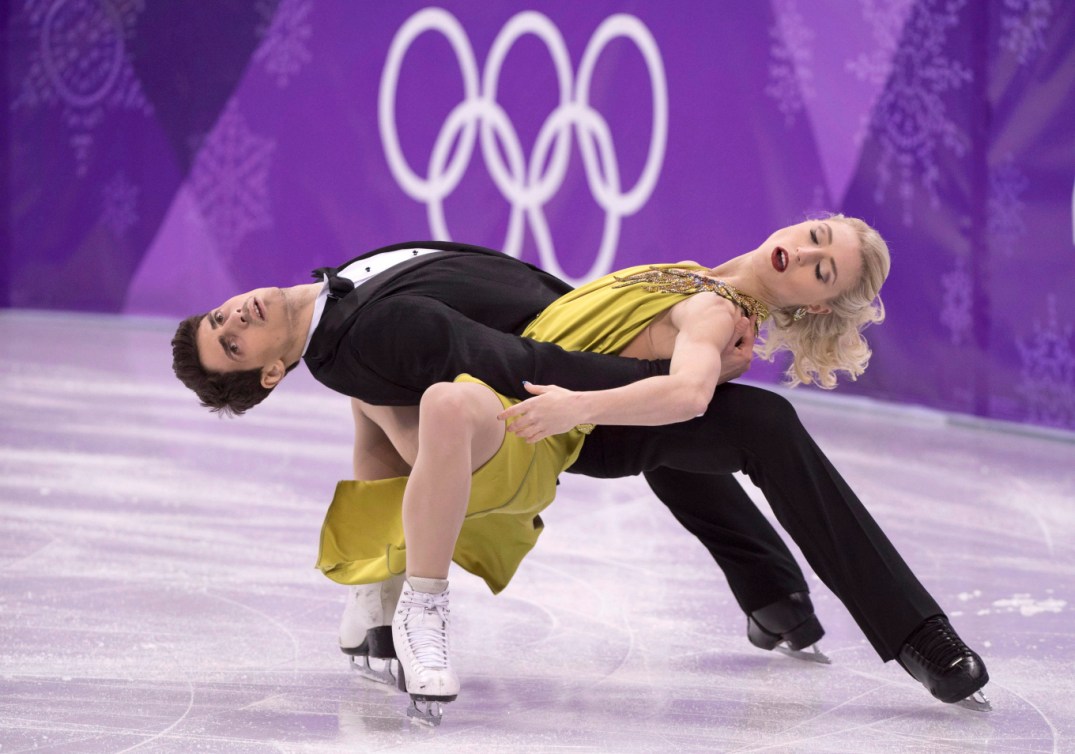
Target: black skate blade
(362, 666)
(803, 654)
(976, 702)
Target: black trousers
(714, 508)
(758, 432)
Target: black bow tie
(338, 287)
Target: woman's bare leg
(452, 433)
(457, 433)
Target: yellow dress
(362, 537)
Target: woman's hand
(552, 411)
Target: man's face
(248, 331)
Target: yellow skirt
(362, 537)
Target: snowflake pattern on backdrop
(886, 22)
(1047, 384)
(1005, 207)
(284, 33)
(910, 121)
(119, 204)
(81, 66)
(1023, 26)
(958, 300)
(791, 57)
(230, 179)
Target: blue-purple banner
(163, 156)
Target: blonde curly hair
(824, 344)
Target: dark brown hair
(227, 393)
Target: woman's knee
(450, 406)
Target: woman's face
(809, 264)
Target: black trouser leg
(756, 431)
(714, 508)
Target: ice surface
(157, 589)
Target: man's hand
(736, 356)
(552, 411)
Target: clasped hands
(554, 410)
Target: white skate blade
(425, 713)
(802, 654)
(976, 702)
(383, 674)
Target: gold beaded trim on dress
(673, 280)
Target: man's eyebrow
(212, 320)
(227, 351)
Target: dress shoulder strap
(677, 280)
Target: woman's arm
(704, 325)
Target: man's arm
(412, 342)
(704, 327)
(415, 341)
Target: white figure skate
(420, 630)
(366, 628)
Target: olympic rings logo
(527, 184)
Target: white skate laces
(423, 620)
(420, 629)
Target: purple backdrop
(163, 156)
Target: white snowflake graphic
(1005, 205)
(886, 22)
(284, 36)
(791, 57)
(81, 66)
(958, 300)
(1047, 385)
(910, 121)
(230, 179)
(119, 204)
(1023, 28)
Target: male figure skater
(390, 323)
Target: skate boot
(788, 626)
(937, 658)
(366, 628)
(420, 630)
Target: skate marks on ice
(157, 594)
